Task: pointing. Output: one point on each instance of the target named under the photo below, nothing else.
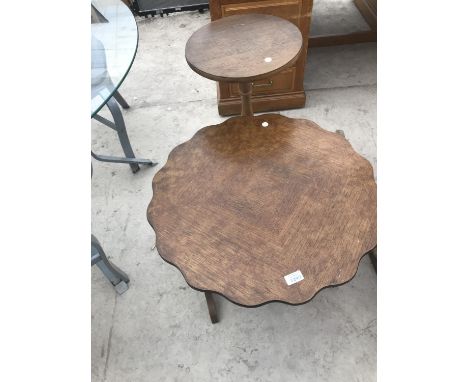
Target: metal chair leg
(122, 132)
(121, 100)
(119, 126)
(211, 307)
(110, 159)
(117, 277)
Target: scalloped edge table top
(247, 202)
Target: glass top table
(114, 42)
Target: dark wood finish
(286, 90)
(128, 3)
(239, 206)
(266, 102)
(243, 48)
(368, 9)
(245, 91)
(372, 253)
(225, 50)
(211, 307)
(342, 39)
(265, 86)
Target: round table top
(114, 41)
(243, 48)
(240, 206)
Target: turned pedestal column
(243, 49)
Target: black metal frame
(114, 274)
(119, 126)
(200, 7)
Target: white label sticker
(294, 277)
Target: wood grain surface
(286, 89)
(243, 48)
(239, 206)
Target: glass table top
(114, 41)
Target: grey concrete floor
(159, 330)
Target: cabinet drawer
(289, 10)
(280, 82)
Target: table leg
(373, 257)
(211, 307)
(245, 89)
(121, 100)
(119, 126)
(110, 159)
(122, 131)
(117, 277)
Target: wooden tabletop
(239, 206)
(243, 48)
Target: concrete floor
(159, 330)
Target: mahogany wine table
(247, 202)
(244, 48)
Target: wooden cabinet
(284, 90)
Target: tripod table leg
(211, 307)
